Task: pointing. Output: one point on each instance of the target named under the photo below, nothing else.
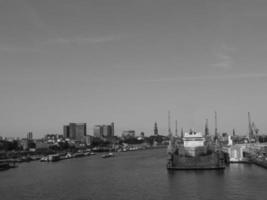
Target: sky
(129, 62)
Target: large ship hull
(213, 160)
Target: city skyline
(118, 131)
(130, 62)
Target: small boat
(53, 157)
(86, 153)
(26, 159)
(68, 156)
(108, 155)
(44, 159)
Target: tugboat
(50, 158)
(44, 159)
(194, 151)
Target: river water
(130, 176)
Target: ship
(193, 151)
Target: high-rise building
(29, 136)
(104, 130)
(75, 131)
(66, 131)
(98, 131)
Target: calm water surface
(129, 176)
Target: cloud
(17, 49)
(224, 62)
(224, 57)
(83, 40)
(222, 77)
(59, 41)
(127, 67)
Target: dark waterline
(131, 176)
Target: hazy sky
(130, 62)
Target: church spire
(206, 128)
(156, 129)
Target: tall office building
(75, 131)
(66, 131)
(104, 130)
(112, 129)
(29, 136)
(98, 131)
